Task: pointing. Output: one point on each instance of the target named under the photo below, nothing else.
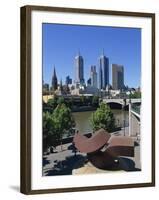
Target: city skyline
(52, 56)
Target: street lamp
(129, 115)
(124, 113)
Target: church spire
(54, 72)
(54, 80)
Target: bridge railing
(135, 108)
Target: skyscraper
(54, 80)
(117, 77)
(103, 71)
(100, 84)
(79, 69)
(93, 75)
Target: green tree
(51, 104)
(95, 101)
(49, 136)
(135, 95)
(60, 100)
(63, 121)
(56, 125)
(103, 118)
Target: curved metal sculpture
(107, 158)
(89, 145)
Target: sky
(61, 43)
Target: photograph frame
(26, 105)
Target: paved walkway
(62, 162)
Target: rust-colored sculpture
(89, 145)
(100, 157)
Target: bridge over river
(134, 112)
(122, 102)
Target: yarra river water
(82, 119)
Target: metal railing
(135, 108)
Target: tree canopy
(103, 118)
(57, 124)
(63, 120)
(135, 95)
(50, 105)
(49, 136)
(95, 100)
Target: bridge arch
(123, 102)
(115, 105)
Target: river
(83, 124)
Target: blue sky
(61, 44)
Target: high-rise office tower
(103, 71)
(79, 69)
(93, 76)
(54, 81)
(100, 84)
(117, 77)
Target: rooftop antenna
(103, 51)
(54, 70)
